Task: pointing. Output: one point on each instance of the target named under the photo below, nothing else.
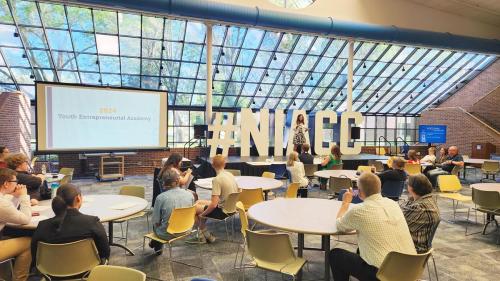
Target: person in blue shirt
(171, 198)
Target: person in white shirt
(431, 157)
(13, 195)
(381, 228)
(297, 173)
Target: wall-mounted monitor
(76, 118)
(432, 133)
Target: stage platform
(256, 165)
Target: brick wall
(488, 108)
(15, 116)
(462, 129)
(476, 89)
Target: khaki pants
(20, 249)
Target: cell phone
(34, 214)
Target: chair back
(83, 253)
(235, 173)
(381, 151)
(456, 170)
(449, 183)
(393, 189)
(310, 169)
(364, 169)
(337, 167)
(33, 161)
(66, 179)
(491, 166)
(413, 169)
(243, 218)
(133, 190)
(279, 170)
(291, 191)
(181, 220)
(230, 203)
(338, 183)
(250, 197)
(355, 198)
(394, 262)
(486, 199)
(268, 175)
(67, 171)
(115, 273)
(270, 248)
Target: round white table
(302, 216)
(50, 178)
(246, 182)
(106, 207)
(486, 186)
(337, 173)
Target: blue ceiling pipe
(255, 16)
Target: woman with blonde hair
(297, 173)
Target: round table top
(300, 215)
(106, 207)
(486, 186)
(337, 173)
(245, 182)
(477, 160)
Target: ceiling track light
(260, 89)
(294, 104)
(364, 65)
(160, 84)
(222, 53)
(456, 87)
(302, 91)
(32, 76)
(100, 80)
(439, 71)
(376, 96)
(399, 107)
(217, 70)
(162, 48)
(253, 102)
(97, 62)
(311, 78)
(161, 66)
(16, 34)
(331, 105)
(275, 58)
(24, 56)
(267, 74)
(424, 85)
(390, 82)
(403, 69)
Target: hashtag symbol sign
(222, 134)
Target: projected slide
(74, 118)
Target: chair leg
(147, 221)
(428, 271)
(435, 268)
(126, 234)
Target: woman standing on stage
(299, 137)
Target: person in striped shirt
(421, 212)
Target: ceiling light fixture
(217, 70)
(403, 69)
(275, 58)
(260, 89)
(364, 65)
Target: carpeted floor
(458, 257)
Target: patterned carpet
(458, 257)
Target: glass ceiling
(252, 67)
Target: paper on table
(36, 219)
(88, 199)
(39, 208)
(123, 206)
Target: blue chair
(202, 279)
(355, 198)
(393, 189)
(279, 171)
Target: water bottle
(44, 169)
(53, 188)
(272, 158)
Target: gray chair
(487, 202)
(490, 168)
(336, 184)
(235, 173)
(393, 189)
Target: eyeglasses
(16, 181)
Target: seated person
(4, 152)
(174, 162)
(381, 228)
(13, 194)
(421, 212)
(297, 173)
(69, 225)
(443, 155)
(19, 163)
(335, 158)
(306, 157)
(412, 157)
(172, 197)
(431, 157)
(396, 173)
(222, 185)
(453, 159)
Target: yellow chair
(291, 191)
(79, 258)
(115, 273)
(394, 262)
(381, 151)
(413, 169)
(250, 197)
(450, 187)
(490, 168)
(230, 210)
(66, 179)
(180, 225)
(235, 173)
(274, 252)
(268, 175)
(363, 169)
(67, 172)
(136, 191)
